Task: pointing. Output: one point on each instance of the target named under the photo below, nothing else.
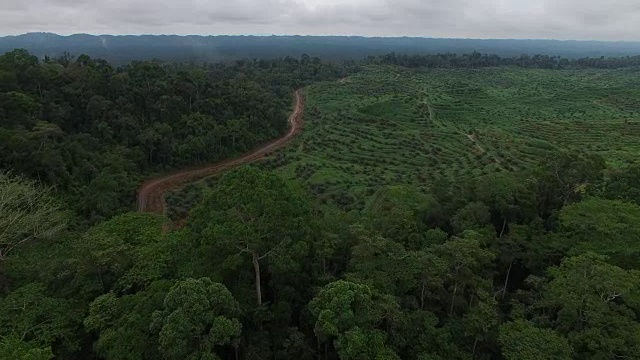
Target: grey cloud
(561, 19)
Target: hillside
(123, 49)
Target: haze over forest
(122, 49)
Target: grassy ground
(389, 125)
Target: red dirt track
(151, 196)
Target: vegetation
(423, 214)
(94, 131)
(193, 48)
(435, 127)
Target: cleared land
(389, 125)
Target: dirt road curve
(151, 196)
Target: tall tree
(467, 261)
(256, 215)
(346, 314)
(509, 198)
(563, 178)
(27, 212)
(198, 316)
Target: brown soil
(151, 196)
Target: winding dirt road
(151, 195)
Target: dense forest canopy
(541, 262)
(479, 60)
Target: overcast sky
(556, 19)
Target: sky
(513, 19)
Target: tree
(430, 275)
(331, 245)
(340, 306)
(27, 212)
(623, 184)
(466, 259)
(255, 214)
(30, 314)
(13, 348)
(419, 334)
(383, 264)
(470, 217)
(481, 319)
(237, 128)
(515, 248)
(122, 254)
(593, 304)
(348, 314)
(563, 177)
(359, 344)
(509, 199)
(396, 213)
(123, 323)
(198, 316)
(521, 340)
(607, 227)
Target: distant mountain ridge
(124, 48)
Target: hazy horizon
(312, 35)
(618, 20)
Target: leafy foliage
(522, 340)
(423, 214)
(29, 212)
(198, 315)
(91, 129)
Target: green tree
(121, 254)
(430, 272)
(383, 264)
(509, 198)
(359, 344)
(623, 184)
(421, 335)
(396, 212)
(563, 178)
(466, 260)
(198, 316)
(472, 216)
(516, 248)
(593, 304)
(348, 314)
(27, 212)
(13, 348)
(254, 214)
(237, 128)
(521, 340)
(30, 314)
(123, 323)
(607, 227)
(481, 319)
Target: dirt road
(151, 195)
